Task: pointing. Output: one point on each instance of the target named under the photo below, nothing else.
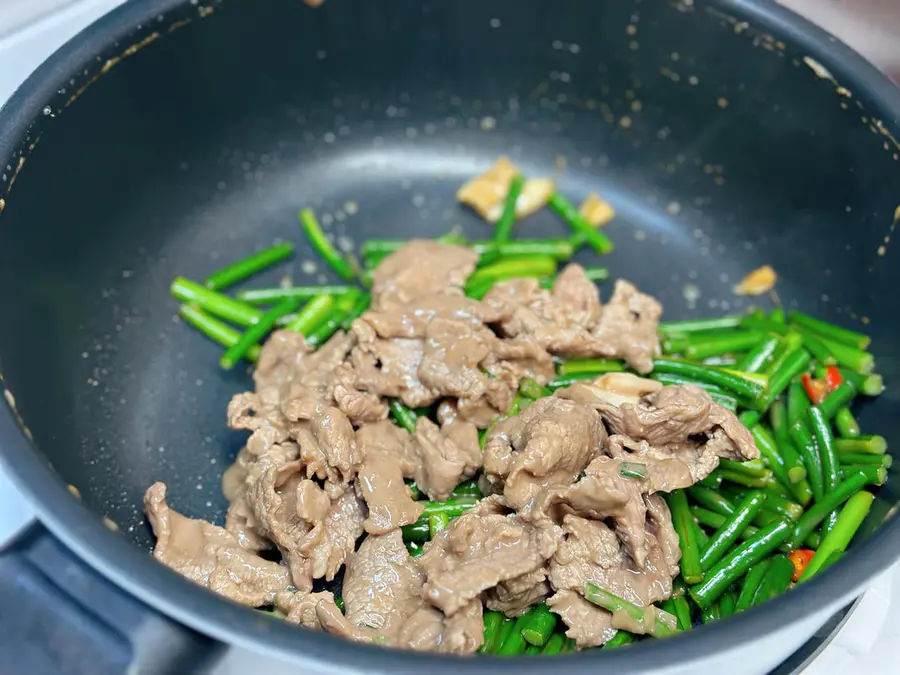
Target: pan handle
(60, 616)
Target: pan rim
(137, 573)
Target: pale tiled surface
(31, 29)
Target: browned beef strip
(429, 630)
(588, 625)
(547, 319)
(328, 445)
(628, 327)
(515, 596)
(301, 608)
(382, 585)
(591, 553)
(419, 269)
(210, 555)
(445, 456)
(549, 443)
(479, 550)
(389, 456)
(604, 493)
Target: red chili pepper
(800, 558)
(833, 377)
(815, 389)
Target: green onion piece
(701, 346)
(555, 644)
(343, 306)
(755, 360)
(503, 229)
(361, 305)
(313, 314)
(561, 249)
(683, 520)
(829, 502)
(247, 267)
(540, 626)
(849, 459)
(255, 334)
(265, 296)
(569, 380)
(502, 270)
(214, 329)
(870, 384)
(740, 385)
(727, 604)
(731, 529)
(620, 639)
(710, 614)
(715, 521)
(583, 230)
(506, 630)
(776, 580)
(468, 489)
(529, 387)
(711, 499)
(699, 325)
(846, 423)
(633, 470)
(806, 444)
(874, 445)
(739, 560)
(492, 622)
(747, 480)
(795, 362)
(324, 247)
(874, 475)
(663, 623)
(831, 470)
(591, 366)
(515, 642)
(751, 583)
(842, 395)
(848, 523)
(405, 417)
(798, 403)
(843, 354)
(771, 453)
(830, 331)
(215, 303)
(437, 523)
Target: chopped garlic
(596, 210)
(759, 281)
(487, 193)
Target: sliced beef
(479, 550)
(578, 294)
(542, 316)
(390, 455)
(588, 625)
(210, 555)
(591, 553)
(333, 538)
(430, 630)
(515, 596)
(628, 327)
(419, 269)
(680, 423)
(610, 389)
(328, 446)
(382, 585)
(302, 608)
(445, 456)
(549, 443)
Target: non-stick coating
(721, 146)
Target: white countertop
(32, 29)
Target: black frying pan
(176, 137)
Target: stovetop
(857, 639)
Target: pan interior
(721, 149)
